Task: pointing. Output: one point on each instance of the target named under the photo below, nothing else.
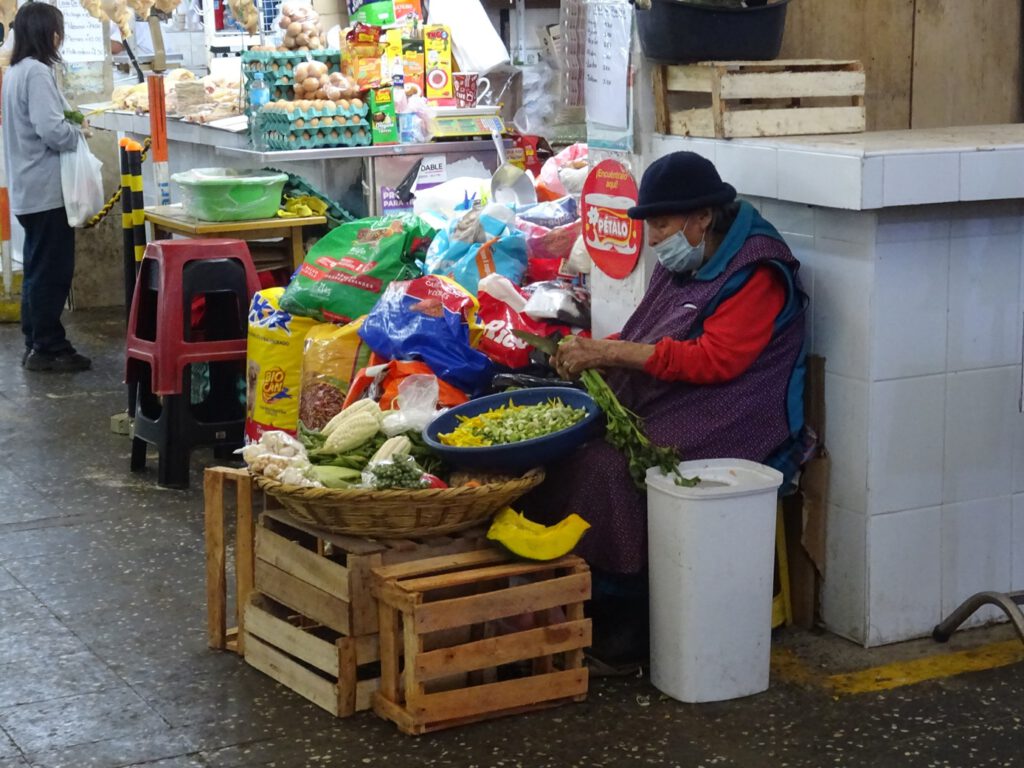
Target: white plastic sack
(81, 180)
(475, 42)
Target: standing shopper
(35, 132)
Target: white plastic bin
(711, 553)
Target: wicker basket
(365, 512)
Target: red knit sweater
(734, 335)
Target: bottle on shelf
(259, 95)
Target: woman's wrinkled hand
(576, 355)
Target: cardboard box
(378, 13)
(437, 51)
(383, 120)
(408, 9)
(413, 63)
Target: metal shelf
(341, 153)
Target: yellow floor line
(903, 673)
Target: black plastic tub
(676, 32)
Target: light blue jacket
(35, 132)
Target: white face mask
(677, 255)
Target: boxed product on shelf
(383, 119)
(437, 44)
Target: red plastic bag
(501, 312)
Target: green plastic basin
(227, 194)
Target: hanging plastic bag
(433, 320)
(81, 180)
(475, 42)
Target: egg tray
(275, 118)
(262, 61)
(293, 140)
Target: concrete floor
(103, 658)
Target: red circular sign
(613, 239)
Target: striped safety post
(138, 202)
(127, 227)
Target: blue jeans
(49, 265)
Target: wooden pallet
(733, 99)
(335, 672)
(503, 612)
(326, 576)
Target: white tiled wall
(918, 312)
(904, 573)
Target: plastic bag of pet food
(332, 356)
(345, 273)
(274, 365)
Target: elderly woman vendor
(712, 359)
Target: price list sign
(83, 35)
(606, 69)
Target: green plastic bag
(345, 273)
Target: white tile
(910, 309)
(873, 183)
(846, 438)
(904, 225)
(848, 226)
(841, 312)
(752, 170)
(789, 218)
(993, 175)
(975, 552)
(916, 179)
(832, 181)
(998, 217)
(984, 302)
(663, 145)
(905, 443)
(981, 411)
(843, 591)
(1017, 545)
(904, 574)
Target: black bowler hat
(679, 183)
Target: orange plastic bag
(384, 378)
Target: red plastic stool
(172, 274)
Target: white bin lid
(720, 478)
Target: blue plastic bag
(478, 243)
(431, 319)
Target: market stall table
(171, 219)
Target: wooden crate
(335, 672)
(732, 99)
(326, 576)
(510, 614)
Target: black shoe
(67, 362)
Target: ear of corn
(359, 407)
(396, 446)
(352, 433)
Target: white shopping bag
(475, 43)
(81, 180)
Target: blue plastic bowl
(516, 457)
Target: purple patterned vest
(747, 418)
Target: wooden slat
(440, 564)
(696, 79)
(491, 652)
(794, 122)
(496, 697)
(367, 649)
(776, 64)
(244, 566)
(300, 596)
(346, 660)
(292, 675)
(661, 124)
(349, 544)
(691, 122)
(302, 563)
(475, 576)
(781, 85)
(412, 647)
(386, 709)
(216, 576)
(296, 642)
(461, 611)
(389, 645)
(365, 691)
(364, 606)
